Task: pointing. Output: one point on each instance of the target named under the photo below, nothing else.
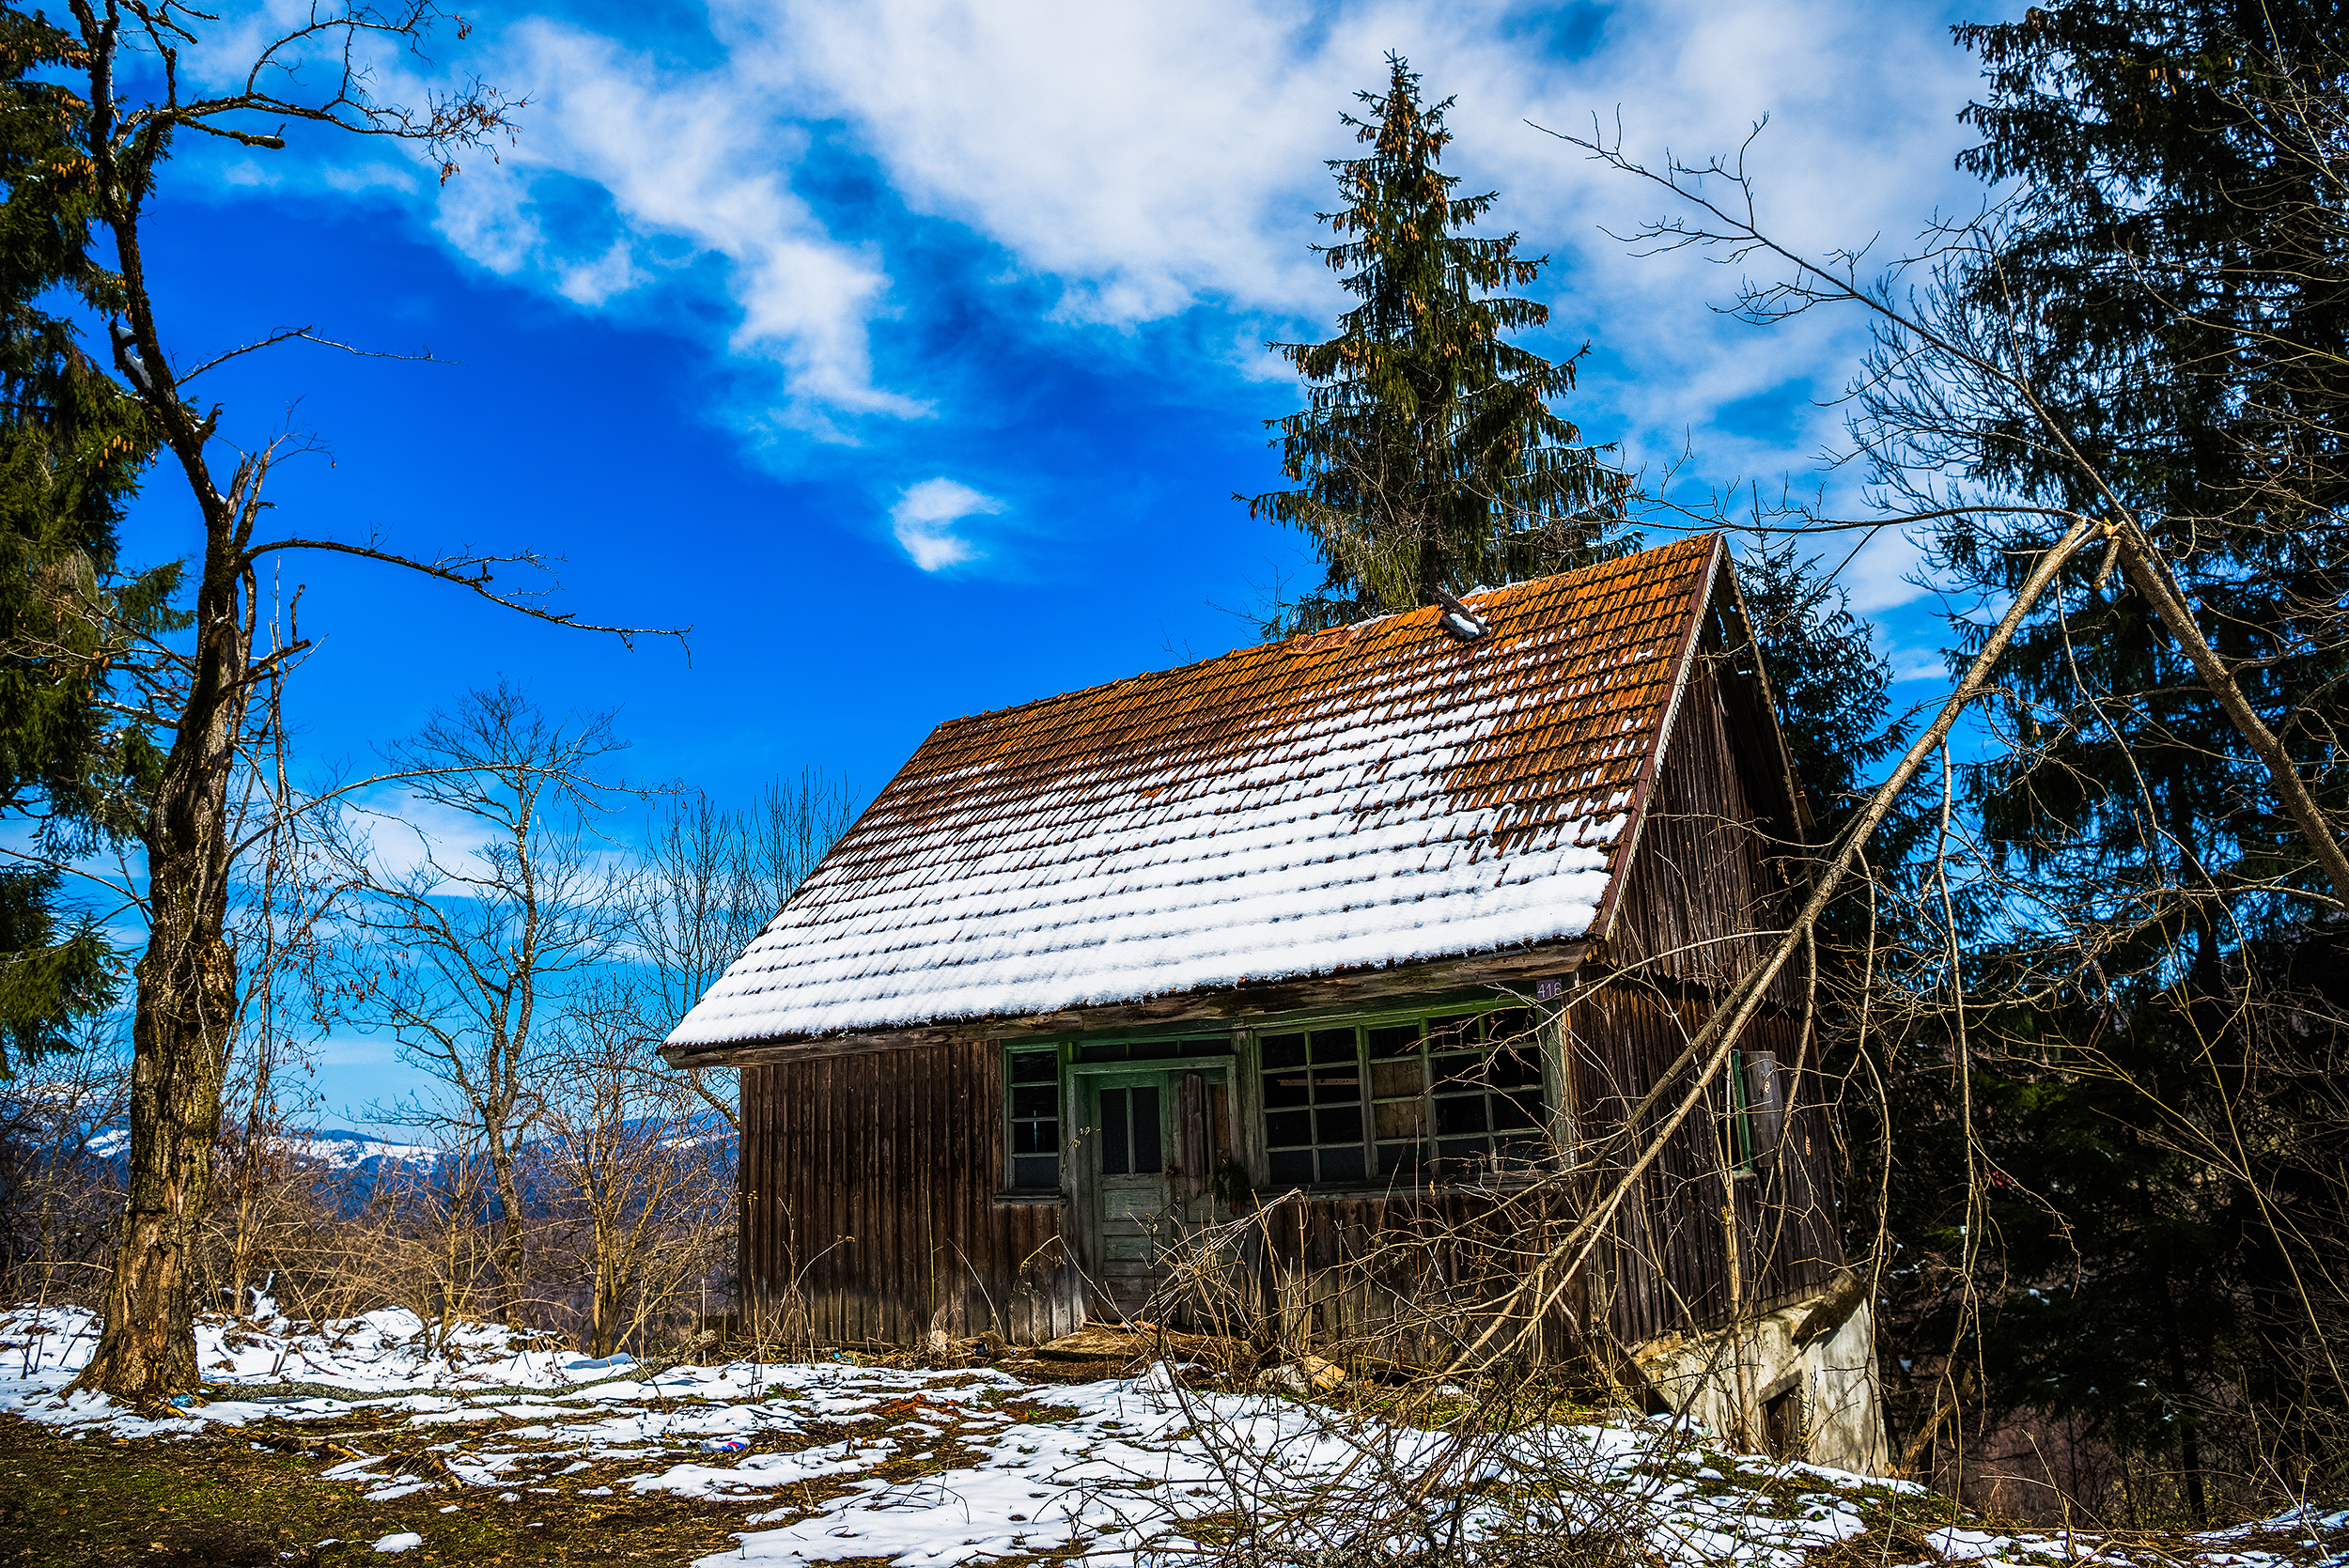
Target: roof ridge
(1352, 629)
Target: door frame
(1082, 1081)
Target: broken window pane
(1377, 1095)
(1114, 1152)
(1145, 1131)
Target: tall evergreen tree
(1428, 457)
(73, 444)
(1833, 689)
(2167, 280)
(2189, 333)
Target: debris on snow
(1304, 1377)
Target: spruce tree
(2189, 315)
(72, 443)
(2166, 275)
(1428, 457)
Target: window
(1740, 1114)
(1032, 1114)
(1313, 1106)
(1131, 1142)
(1757, 1106)
(1446, 1097)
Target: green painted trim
(1160, 1068)
(1480, 998)
(1447, 1002)
(1004, 1120)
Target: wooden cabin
(1348, 933)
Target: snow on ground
(833, 1460)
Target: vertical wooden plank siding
(1669, 1267)
(1708, 876)
(902, 1151)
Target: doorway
(1130, 1191)
(1144, 1155)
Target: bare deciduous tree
(712, 880)
(148, 83)
(481, 925)
(637, 1165)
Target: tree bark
(187, 983)
(180, 1031)
(510, 1222)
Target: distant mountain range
(337, 1148)
(364, 1159)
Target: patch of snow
(1116, 1471)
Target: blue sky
(910, 352)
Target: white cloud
(1149, 160)
(694, 159)
(592, 283)
(352, 1050)
(1144, 161)
(408, 839)
(925, 517)
(362, 176)
(1143, 157)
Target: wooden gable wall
(1714, 878)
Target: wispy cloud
(1147, 160)
(925, 517)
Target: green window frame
(1455, 1096)
(1032, 1112)
(1758, 1089)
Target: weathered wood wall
(1708, 885)
(867, 1204)
(1712, 883)
(1671, 1260)
(1667, 1263)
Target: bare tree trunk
(611, 1288)
(2148, 573)
(510, 1220)
(185, 1016)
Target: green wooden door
(1131, 1116)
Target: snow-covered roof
(1377, 795)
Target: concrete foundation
(1799, 1383)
